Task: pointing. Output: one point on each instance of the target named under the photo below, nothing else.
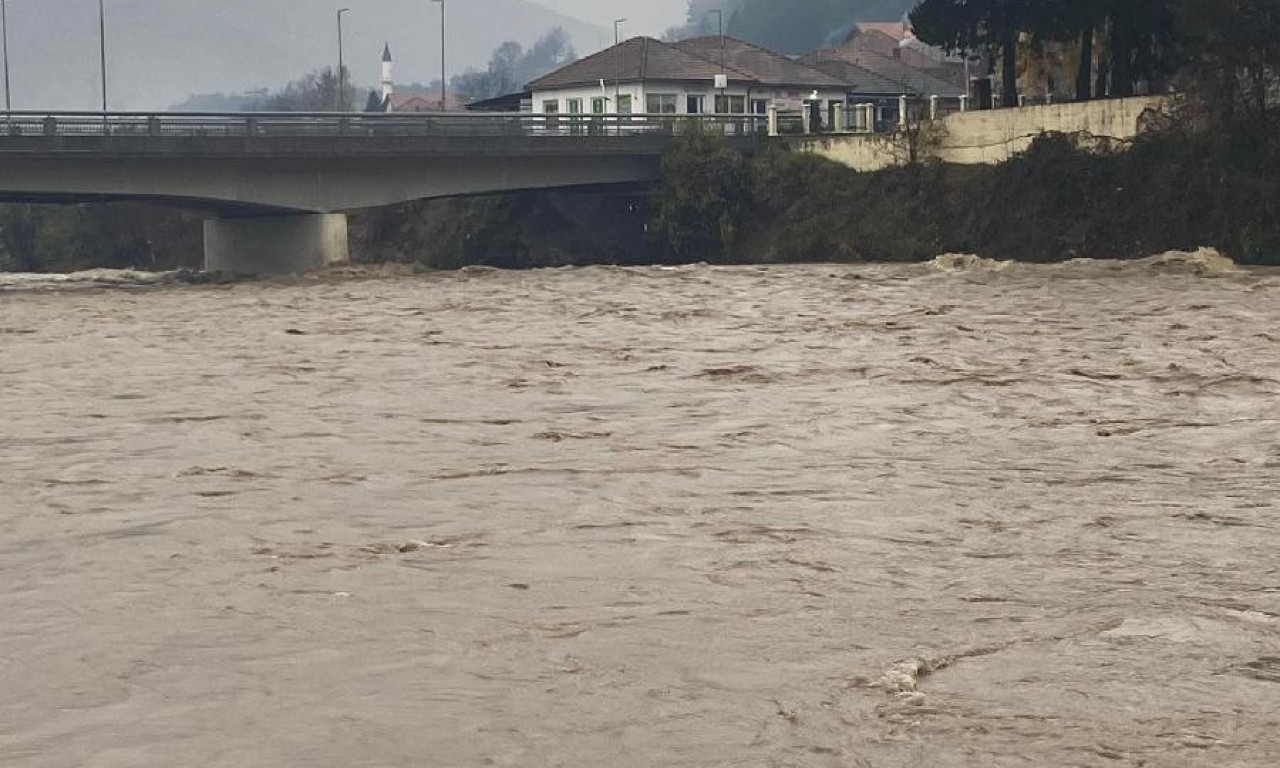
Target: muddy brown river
(959, 514)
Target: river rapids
(967, 513)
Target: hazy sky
(644, 17)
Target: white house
(693, 77)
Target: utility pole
(617, 66)
(342, 68)
(443, 80)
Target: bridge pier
(273, 245)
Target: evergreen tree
(972, 25)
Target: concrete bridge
(277, 186)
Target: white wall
(586, 94)
(784, 98)
(992, 136)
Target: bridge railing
(358, 125)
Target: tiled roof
(871, 40)
(859, 79)
(421, 100)
(916, 81)
(763, 65)
(640, 58)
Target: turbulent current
(958, 514)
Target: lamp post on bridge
(342, 68)
(4, 28)
(102, 54)
(4, 31)
(443, 80)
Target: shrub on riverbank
(1057, 201)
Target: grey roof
(860, 80)
(763, 65)
(920, 82)
(640, 58)
(893, 71)
(386, 52)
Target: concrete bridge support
(273, 245)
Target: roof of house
(859, 79)
(507, 102)
(420, 100)
(895, 70)
(762, 65)
(871, 40)
(640, 58)
(895, 29)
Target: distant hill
(162, 52)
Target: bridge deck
(358, 134)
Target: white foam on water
(968, 262)
(89, 277)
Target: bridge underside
(267, 186)
(276, 187)
(286, 214)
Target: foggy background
(161, 52)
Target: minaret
(387, 81)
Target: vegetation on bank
(1057, 201)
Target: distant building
(387, 79)
(693, 77)
(410, 98)
(882, 61)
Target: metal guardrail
(362, 125)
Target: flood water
(936, 515)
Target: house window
(760, 106)
(624, 104)
(551, 107)
(597, 106)
(695, 105)
(731, 105)
(660, 104)
(575, 106)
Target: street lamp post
(617, 66)
(102, 53)
(342, 68)
(443, 80)
(4, 32)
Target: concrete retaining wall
(987, 137)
